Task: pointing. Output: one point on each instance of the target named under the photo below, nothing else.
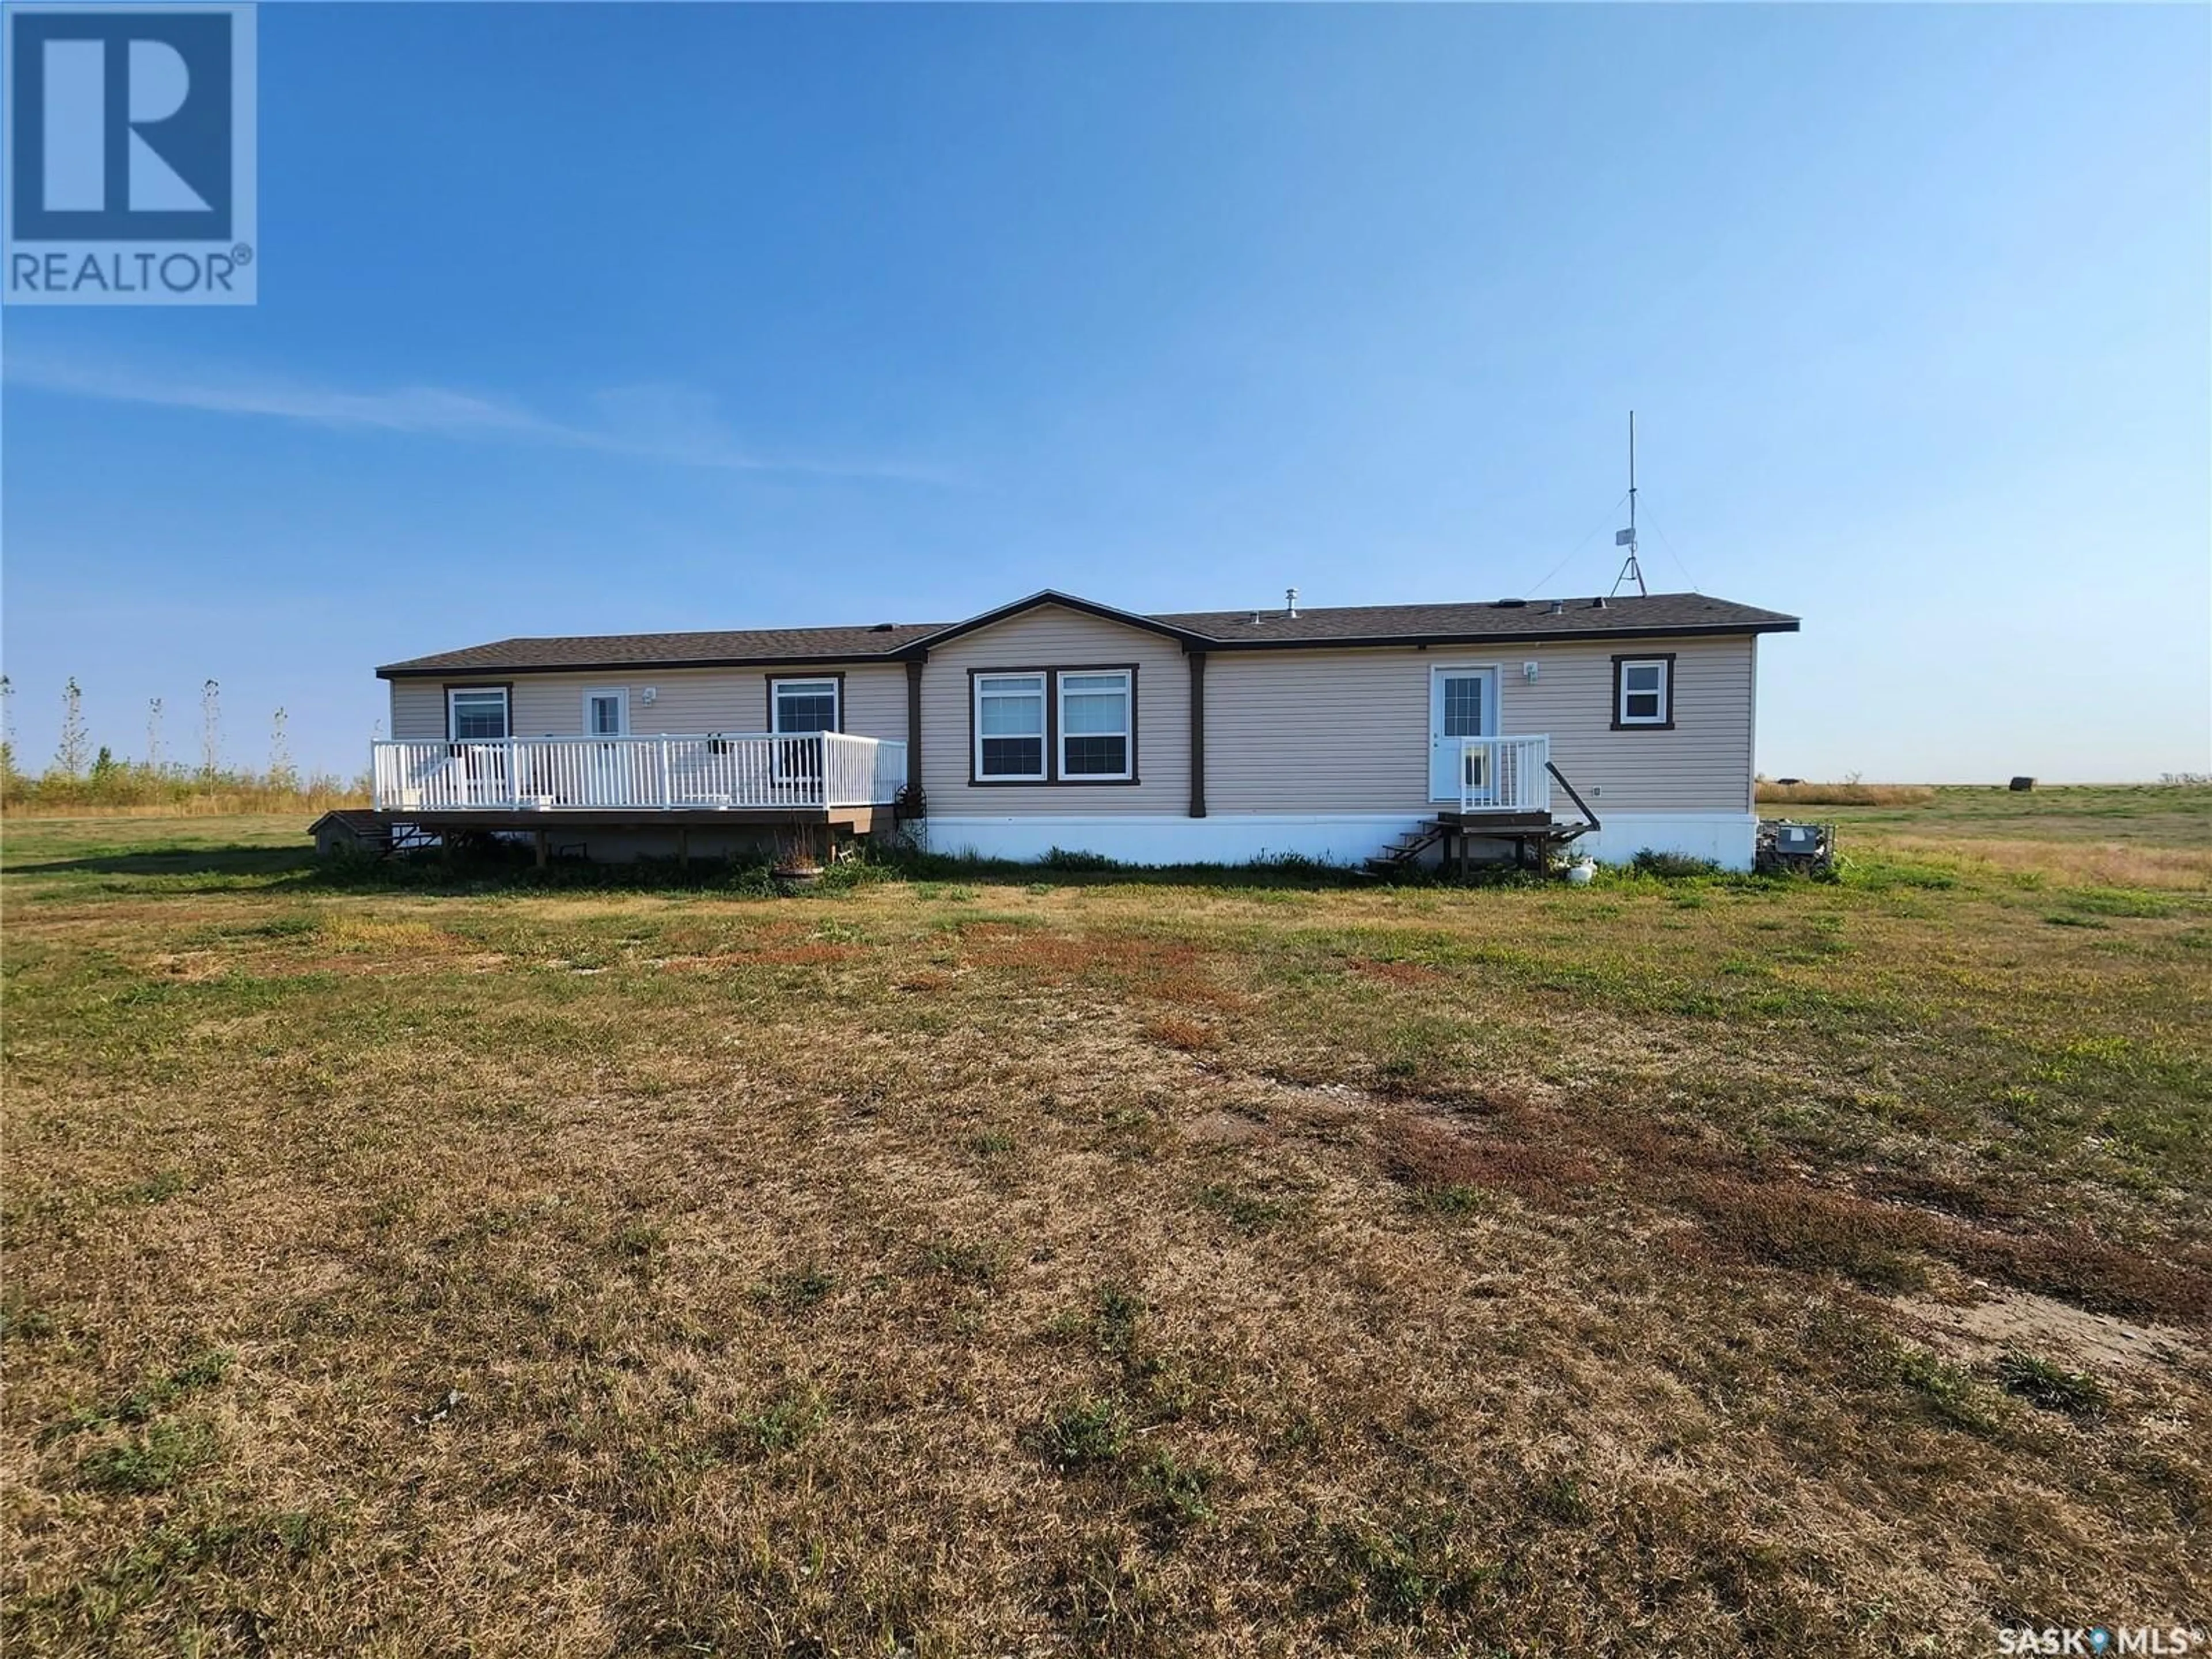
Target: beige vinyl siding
(1348, 730)
(418, 709)
(687, 700)
(1053, 636)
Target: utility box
(1788, 847)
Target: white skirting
(1332, 838)
(1726, 838)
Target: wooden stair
(1401, 854)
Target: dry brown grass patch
(1187, 1034)
(2073, 863)
(1844, 795)
(1394, 973)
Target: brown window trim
(1052, 778)
(1618, 662)
(774, 680)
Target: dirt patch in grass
(1755, 1210)
(1995, 1321)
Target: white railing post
(667, 794)
(513, 775)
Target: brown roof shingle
(1656, 613)
(721, 649)
(1361, 625)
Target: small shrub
(2076, 1393)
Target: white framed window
(1097, 731)
(606, 711)
(1643, 691)
(1010, 727)
(476, 713)
(802, 708)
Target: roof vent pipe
(1558, 606)
(1290, 601)
(1598, 604)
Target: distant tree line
(83, 777)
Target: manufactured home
(1058, 722)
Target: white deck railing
(740, 771)
(1504, 775)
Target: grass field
(997, 1265)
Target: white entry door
(1462, 703)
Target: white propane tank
(1580, 874)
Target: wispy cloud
(677, 425)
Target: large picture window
(1643, 692)
(1010, 727)
(476, 713)
(1094, 724)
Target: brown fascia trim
(919, 649)
(819, 664)
(1579, 635)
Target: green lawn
(439, 1262)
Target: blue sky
(602, 320)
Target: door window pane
(606, 709)
(1464, 705)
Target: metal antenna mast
(1629, 569)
